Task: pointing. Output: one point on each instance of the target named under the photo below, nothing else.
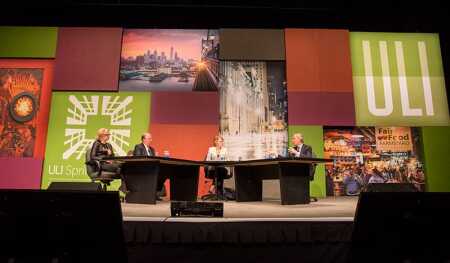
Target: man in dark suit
(299, 150)
(144, 149)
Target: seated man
(144, 149)
(300, 150)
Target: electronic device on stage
(196, 209)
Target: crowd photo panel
(279, 125)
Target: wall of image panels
(200, 83)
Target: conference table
(141, 176)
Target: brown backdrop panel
(321, 108)
(252, 44)
(173, 107)
(318, 60)
(88, 59)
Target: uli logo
(117, 114)
(387, 80)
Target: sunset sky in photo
(187, 43)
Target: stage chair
(215, 196)
(94, 171)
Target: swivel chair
(95, 173)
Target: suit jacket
(139, 150)
(100, 150)
(306, 151)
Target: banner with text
(393, 139)
(398, 79)
(74, 120)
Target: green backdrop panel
(28, 42)
(436, 154)
(74, 120)
(313, 136)
(398, 79)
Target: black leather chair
(94, 171)
(211, 173)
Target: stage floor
(329, 209)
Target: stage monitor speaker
(196, 209)
(75, 186)
(402, 227)
(61, 226)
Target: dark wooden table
(293, 173)
(141, 175)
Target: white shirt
(217, 155)
(299, 150)
(147, 149)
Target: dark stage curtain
(243, 241)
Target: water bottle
(166, 154)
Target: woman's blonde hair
(216, 138)
(102, 131)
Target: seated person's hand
(292, 150)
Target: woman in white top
(218, 174)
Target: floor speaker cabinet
(390, 187)
(401, 226)
(61, 226)
(75, 186)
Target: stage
(331, 208)
(317, 232)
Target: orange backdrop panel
(185, 142)
(44, 102)
(318, 60)
(302, 64)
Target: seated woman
(218, 174)
(101, 149)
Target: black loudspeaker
(74, 186)
(61, 226)
(402, 227)
(196, 209)
(390, 187)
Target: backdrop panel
(436, 152)
(74, 121)
(87, 59)
(318, 60)
(185, 141)
(169, 60)
(321, 108)
(28, 42)
(25, 92)
(20, 173)
(185, 107)
(398, 79)
(252, 44)
(313, 136)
